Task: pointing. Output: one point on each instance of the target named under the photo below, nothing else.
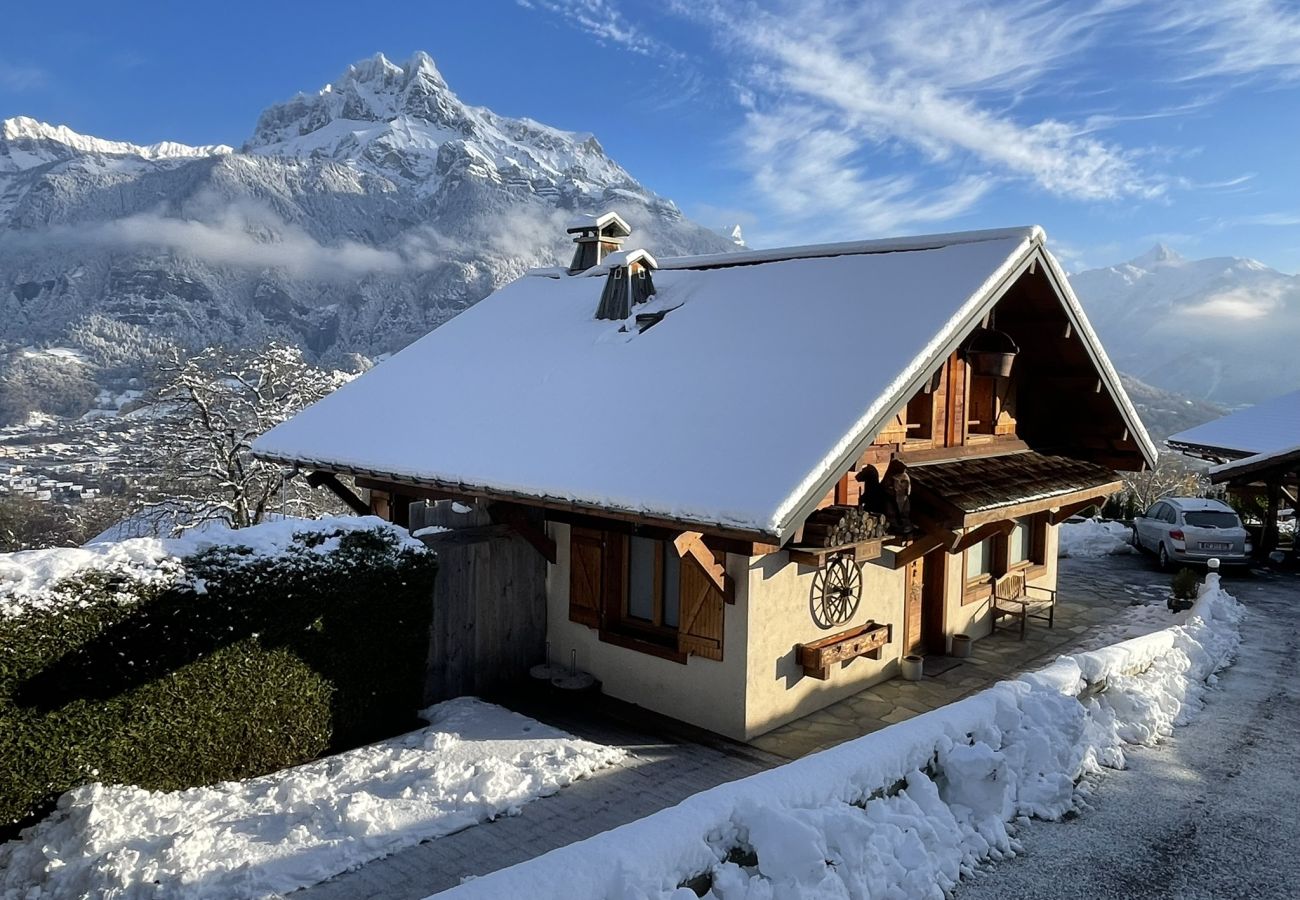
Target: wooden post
(1268, 540)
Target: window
(1020, 543)
(1211, 518)
(640, 594)
(979, 561)
(653, 584)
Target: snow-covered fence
(908, 810)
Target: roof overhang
(461, 489)
(974, 491)
(1278, 465)
(972, 314)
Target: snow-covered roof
(583, 222)
(1262, 428)
(734, 413)
(1285, 459)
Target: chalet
(736, 488)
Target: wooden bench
(1012, 599)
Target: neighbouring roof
(1263, 428)
(760, 385)
(1277, 463)
(984, 483)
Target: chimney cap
(623, 258)
(609, 224)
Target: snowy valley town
(611, 450)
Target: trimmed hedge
(260, 663)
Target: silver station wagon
(1192, 530)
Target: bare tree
(1173, 475)
(203, 419)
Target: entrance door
(923, 606)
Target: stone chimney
(596, 237)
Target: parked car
(1192, 530)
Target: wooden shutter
(700, 628)
(586, 582)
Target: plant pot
(961, 646)
(912, 667)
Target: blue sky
(1113, 123)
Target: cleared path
(666, 763)
(1212, 813)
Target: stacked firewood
(836, 526)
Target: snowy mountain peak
(1159, 255)
(403, 123)
(26, 142)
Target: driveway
(1212, 813)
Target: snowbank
(1094, 537)
(909, 810)
(30, 579)
(295, 828)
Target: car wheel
(1163, 558)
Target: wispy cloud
(1242, 38)
(242, 235)
(602, 20)
(21, 78)
(840, 93)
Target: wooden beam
(1059, 515)
(517, 518)
(472, 535)
(921, 546)
(691, 544)
(1000, 445)
(983, 532)
(1029, 507)
(330, 482)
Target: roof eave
(722, 529)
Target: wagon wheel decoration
(836, 590)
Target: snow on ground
(271, 835)
(1094, 537)
(29, 579)
(907, 811)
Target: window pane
(641, 579)
(1018, 543)
(672, 585)
(979, 559)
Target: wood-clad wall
(489, 605)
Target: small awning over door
(966, 493)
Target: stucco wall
(780, 617)
(704, 692)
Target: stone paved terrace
(1092, 594)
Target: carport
(1257, 451)
(1274, 476)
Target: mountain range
(1225, 330)
(353, 220)
(358, 217)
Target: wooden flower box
(865, 640)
